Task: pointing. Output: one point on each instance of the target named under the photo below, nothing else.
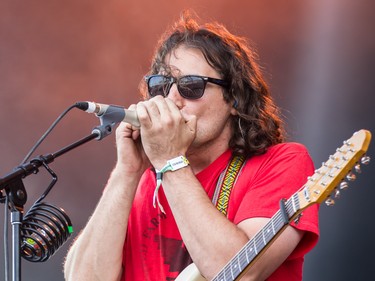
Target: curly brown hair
(258, 124)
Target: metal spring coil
(45, 228)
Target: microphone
(113, 112)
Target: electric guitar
(328, 178)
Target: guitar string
(278, 221)
(244, 254)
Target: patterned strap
(226, 182)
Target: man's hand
(165, 132)
(130, 154)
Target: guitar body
(190, 273)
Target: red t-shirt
(154, 250)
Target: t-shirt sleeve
(275, 176)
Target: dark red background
(318, 56)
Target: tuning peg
(344, 185)
(357, 168)
(337, 193)
(351, 176)
(330, 202)
(365, 160)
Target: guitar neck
(236, 267)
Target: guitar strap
(225, 183)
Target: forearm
(99, 246)
(210, 237)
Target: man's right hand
(131, 157)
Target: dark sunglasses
(190, 86)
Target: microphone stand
(15, 190)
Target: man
(206, 103)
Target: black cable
(47, 133)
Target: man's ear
(234, 108)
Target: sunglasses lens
(158, 85)
(191, 87)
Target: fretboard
(259, 242)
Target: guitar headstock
(327, 178)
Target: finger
(143, 115)
(124, 130)
(135, 134)
(158, 111)
(166, 107)
(191, 123)
(177, 113)
(156, 107)
(132, 111)
(172, 107)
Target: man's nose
(173, 92)
(175, 96)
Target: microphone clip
(108, 120)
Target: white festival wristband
(172, 165)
